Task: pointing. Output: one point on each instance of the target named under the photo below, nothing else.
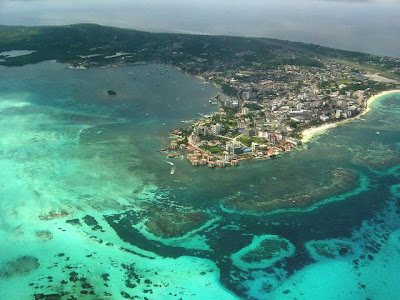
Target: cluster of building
(270, 109)
(202, 158)
(301, 94)
(263, 111)
(204, 150)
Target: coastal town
(264, 114)
(275, 94)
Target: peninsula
(275, 95)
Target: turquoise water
(90, 210)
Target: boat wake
(168, 162)
(173, 169)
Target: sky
(361, 25)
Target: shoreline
(309, 133)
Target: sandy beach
(313, 131)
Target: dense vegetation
(253, 106)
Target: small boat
(173, 169)
(147, 115)
(163, 124)
(378, 133)
(130, 73)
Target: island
(275, 95)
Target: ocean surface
(90, 210)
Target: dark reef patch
(171, 224)
(379, 156)
(19, 267)
(74, 222)
(329, 249)
(340, 181)
(54, 215)
(123, 224)
(265, 250)
(90, 221)
(44, 235)
(47, 297)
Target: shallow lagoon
(84, 193)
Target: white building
(246, 96)
(216, 129)
(263, 134)
(254, 147)
(324, 117)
